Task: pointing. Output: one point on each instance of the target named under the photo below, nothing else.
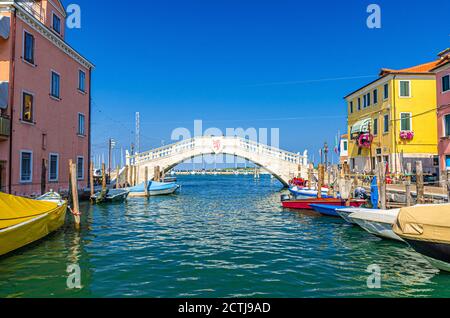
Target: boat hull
(306, 203)
(154, 192)
(25, 233)
(327, 210)
(380, 229)
(438, 254)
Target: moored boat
(154, 189)
(325, 209)
(304, 193)
(305, 204)
(111, 195)
(426, 228)
(24, 221)
(377, 222)
(345, 214)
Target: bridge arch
(281, 164)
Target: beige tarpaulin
(424, 222)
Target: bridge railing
(190, 144)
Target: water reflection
(220, 237)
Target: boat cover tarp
(361, 127)
(15, 210)
(424, 222)
(380, 216)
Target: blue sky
(244, 63)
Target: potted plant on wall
(407, 135)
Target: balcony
(5, 124)
(34, 7)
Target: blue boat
(328, 210)
(154, 188)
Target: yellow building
(393, 119)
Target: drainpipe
(395, 126)
(11, 97)
(89, 129)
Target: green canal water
(219, 237)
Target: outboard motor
(285, 197)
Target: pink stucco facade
(54, 129)
(443, 101)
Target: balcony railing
(5, 124)
(34, 7)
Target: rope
(74, 213)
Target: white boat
(377, 222)
(345, 213)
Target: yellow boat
(24, 221)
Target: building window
(368, 99)
(359, 103)
(375, 126)
(53, 167)
(386, 124)
(447, 125)
(80, 168)
(82, 81)
(56, 23)
(375, 96)
(446, 83)
(405, 89)
(365, 101)
(405, 121)
(345, 146)
(386, 91)
(28, 50)
(81, 125)
(26, 167)
(351, 107)
(27, 107)
(56, 81)
(447, 162)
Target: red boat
(305, 203)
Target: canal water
(221, 236)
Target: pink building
(44, 100)
(442, 71)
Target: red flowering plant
(365, 140)
(406, 135)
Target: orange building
(44, 100)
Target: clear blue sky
(244, 63)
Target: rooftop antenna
(138, 133)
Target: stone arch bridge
(283, 165)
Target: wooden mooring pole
(146, 182)
(117, 178)
(103, 177)
(310, 175)
(382, 185)
(91, 179)
(74, 190)
(321, 180)
(408, 184)
(419, 183)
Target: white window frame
(25, 31)
(385, 132)
(51, 85)
(410, 121)
(60, 23)
(375, 96)
(82, 177)
(351, 107)
(31, 167)
(442, 83)
(446, 134)
(78, 125)
(400, 89)
(79, 82)
(49, 167)
(32, 110)
(384, 92)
